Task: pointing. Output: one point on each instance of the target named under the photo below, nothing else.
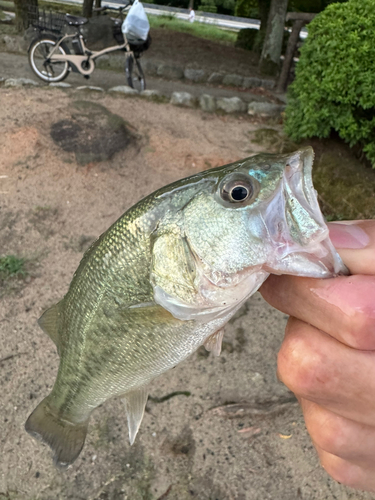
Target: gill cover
(257, 216)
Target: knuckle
(300, 365)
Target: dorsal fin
(49, 322)
(135, 403)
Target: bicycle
(50, 53)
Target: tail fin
(65, 438)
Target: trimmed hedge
(334, 87)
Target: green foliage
(246, 8)
(10, 266)
(208, 6)
(334, 87)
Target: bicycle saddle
(75, 20)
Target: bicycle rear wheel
(134, 73)
(48, 71)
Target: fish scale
(165, 279)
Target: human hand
(328, 355)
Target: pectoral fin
(135, 403)
(213, 342)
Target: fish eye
(237, 191)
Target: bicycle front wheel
(45, 69)
(134, 73)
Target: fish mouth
(296, 227)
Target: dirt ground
(188, 50)
(233, 432)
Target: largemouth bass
(165, 279)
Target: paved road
(17, 66)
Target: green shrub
(334, 87)
(247, 8)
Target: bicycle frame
(88, 56)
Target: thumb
(355, 242)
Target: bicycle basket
(46, 20)
(140, 47)
(117, 33)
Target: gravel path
(17, 66)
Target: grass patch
(8, 6)
(12, 266)
(75, 10)
(200, 30)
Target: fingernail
(347, 234)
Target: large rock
(231, 105)
(195, 75)
(207, 103)
(171, 72)
(92, 132)
(233, 80)
(183, 99)
(265, 109)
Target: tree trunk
(292, 44)
(264, 8)
(87, 8)
(270, 59)
(25, 9)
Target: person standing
(191, 15)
